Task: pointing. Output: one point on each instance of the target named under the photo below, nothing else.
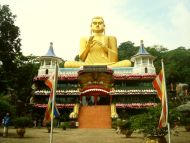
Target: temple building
(92, 95)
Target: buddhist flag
(159, 85)
(50, 81)
(51, 110)
(49, 113)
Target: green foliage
(61, 65)
(22, 122)
(185, 119)
(126, 50)
(183, 115)
(158, 52)
(17, 70)
(122, 112)
(28, 69)
(177, 65)
(9, 48)
(174, 117)
(148, 122)
(65, 125)
(123, 123)
(77, 58)
(114, 123)
(6, 107)
(64, 117)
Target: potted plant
(64, 125)
(20, 124)
(64, 118)
(124, 127)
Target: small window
(46, 71)
(48, 62)
(138, 61)
(145, 61)
(146, 70)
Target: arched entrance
(95, 97)
(95, 83)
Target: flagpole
(168, 124)
(53, 101)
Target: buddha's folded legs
(73, 64)
(124, 63)
(77, 64)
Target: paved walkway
(82, 136)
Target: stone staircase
(95, 116)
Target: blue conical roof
(50, 52)
(142, 50)
(142, 53)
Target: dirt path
(82, 136)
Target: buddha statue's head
(97, 25)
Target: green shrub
(65, 125)
(6, 107)
(114, 123)
(185, 118)
(148, 121)
(22, 122)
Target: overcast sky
(64, 22)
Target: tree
(126, 50)
(177, 65)
(77, 58)
(28, 69)
(158, 51)
(17, 70)
(9, 47)
(6, 107)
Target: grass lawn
(35, 135)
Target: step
(97, 116)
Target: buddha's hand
(105, 48)
(90, 42)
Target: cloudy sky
(64, 22)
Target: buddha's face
(97, 25)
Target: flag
(48, 113)
(159, 85)
(49, 82)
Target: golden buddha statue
(98, 49)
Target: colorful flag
(50, 81)
(159, 85)
(48, 113)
